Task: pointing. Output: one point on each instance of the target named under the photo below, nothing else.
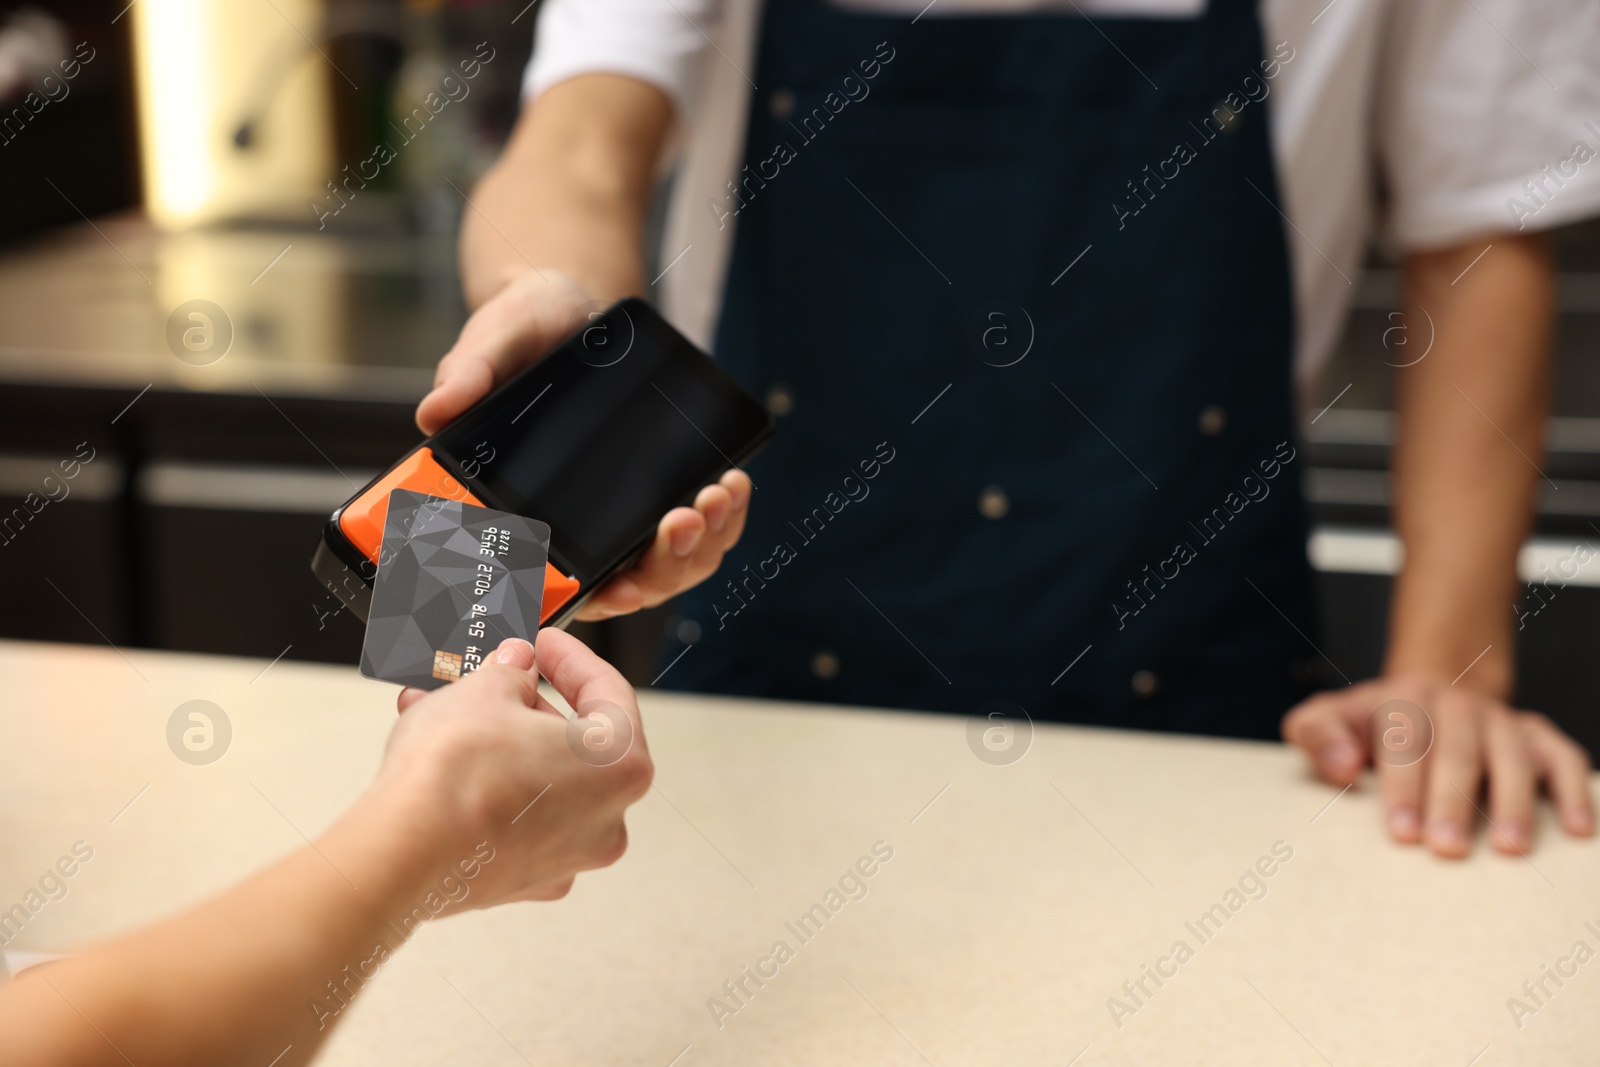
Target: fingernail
(685, 540)
(1338, 757)
(1447, 834)
(717, 517)
(515, 652)
(1515, 832)
(1403, 823)
(1579, 821)
(740, 493)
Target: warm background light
(203, 68)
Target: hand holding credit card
(453, 581)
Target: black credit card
(454, 580)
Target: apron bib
(1030, 322)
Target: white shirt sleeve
(1475, 99)
(662, 42)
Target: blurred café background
(175, 151)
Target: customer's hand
(1432, 761)
(488, 759)
(514, 329)
(481, 799)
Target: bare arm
(271, 963)
(571, 190)
(233, 980)
(1471, 429)
(1471, 417)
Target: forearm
(233, 980)
(1470, 432)
(571, 190)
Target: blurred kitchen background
(170, 152)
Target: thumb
(514, 652)
(1329, 728)
(515, 327)
(462, 381)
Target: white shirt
(1416, 123)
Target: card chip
(446, 666)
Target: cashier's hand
(1432, 767)
(518, 326)
(487, 759)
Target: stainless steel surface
(363, 316)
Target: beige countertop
(1017, 902)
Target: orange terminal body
(362, 519)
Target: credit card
(454, 580)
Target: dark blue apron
(1036, 362)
